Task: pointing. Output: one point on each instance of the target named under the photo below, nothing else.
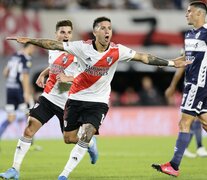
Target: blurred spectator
(162, 4)
(130, 4)
(178, 4)
(55, 4)
(149, 95)
(88, 4)
(130, 97)
(114, 99)
(175, 99)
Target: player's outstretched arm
(43, 43)
(153, 60)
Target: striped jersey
(97, 69)
(59, 62)
(18, 64)
(196, 51)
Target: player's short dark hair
(199, 4)
(64, 23)
(100, 19)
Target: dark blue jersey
(196, 51)
(17, 65)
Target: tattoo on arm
(152, 60)
(47, 44)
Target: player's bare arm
(64, 78)
(153, 60)
(41, 78)
(43, 43)
(6, 72)
(26, 87)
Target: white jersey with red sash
(59, 62)
(97, 69)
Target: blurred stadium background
(153, 26)
(148, 122)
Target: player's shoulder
(55, 52)
(114, 45)
(205, 26)
(87, 42)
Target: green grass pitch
(120, 158)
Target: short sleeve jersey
(59, 62)
(18, 64)
(196, 51)
(97, 69)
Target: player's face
(192, 15)
(103, 33)
(31, 49)
(64, 34)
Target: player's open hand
(180, 63)
(22, 40)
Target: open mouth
(65, 40)
(107, 37)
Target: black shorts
(44, 110)
(82, 112)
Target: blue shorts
(194, 100)
(14, 97)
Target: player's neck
(199, 24)
(100, 47)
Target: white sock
(80, 131)
(76, 156)
(23, 146)
(91, 143)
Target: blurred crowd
(147, 95)
(95, 4)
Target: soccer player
(62, 68)
(89, 93)
(194, 103)
(18, 86)
(196, 128)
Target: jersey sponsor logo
(191, 45)
(56, 68)
(190, 58)
(96, 71)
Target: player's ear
(94, 33)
